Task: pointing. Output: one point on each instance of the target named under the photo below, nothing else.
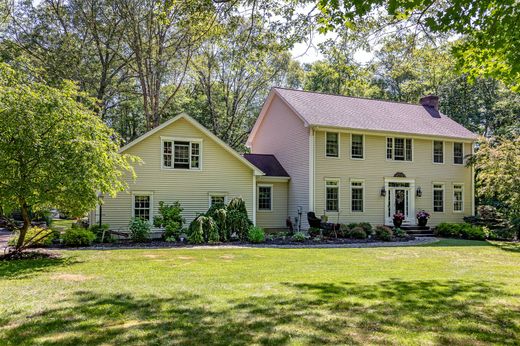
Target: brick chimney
(430, 101)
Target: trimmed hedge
(461, 230)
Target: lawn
(453, 292)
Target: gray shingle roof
(318, 109)
(268, 164)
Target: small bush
(35, 237)
(314, 232)
(172, 230)
(367, 227)
(474, 232)
(139, 230)
(203, 229)
(256, 235)
(357, 233)
(352, 225)
(101, 232)
(298, 236)
(448, 230)
(399, 232)
(503, 234)
(170, 219)
(383, 233)
(78, 237)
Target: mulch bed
(29, 254)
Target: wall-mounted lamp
(418, 192)
(383, 192)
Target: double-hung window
(217, 199)
(399, 149)
(142, 207)
(332, 195)
(332, 144)
(181, 154)
(357, 151)
(438, 198)
(458, 197)
(357, 195)
(265, 197)
(458, 153)
(438, 152)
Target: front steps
(418, 231)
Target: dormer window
(181, 154)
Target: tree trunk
(25, 227)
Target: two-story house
(357, 159)
(352, 159)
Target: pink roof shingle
(318, 109)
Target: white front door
(400, 198)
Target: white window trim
(453, 198)
(453, 154)
(363, 143)
(337, 180)
(339, 145)
(258, 196)
(443, 197)
(217, 194)
(393, 149)
(443, 152)
(362, 181)
(143, 193)
(181, 139)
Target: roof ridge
(352, 97)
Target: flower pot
(398, 223)
(422, 221)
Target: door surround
(408, 185)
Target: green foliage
(35, 237)
(497, 163)
(314, 232)
(170, 218)
(256, 235)
(400, 233)
(203, 229)
(59, 152)
(298, 237)
(462, 230)
(139, 230)
(237, 219)
(367, 227)
(383, 233)
(357, 233)
(219, 215)
(102, 233)
(78, 237)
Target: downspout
(311, 169)
(254, 198)
(472, 181)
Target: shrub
(448, 230)
(78, 237)
(314, 232)
(35, 237)
(170, 219)
(256, 235)
(101, 233)
(399, 232)
(383, 233)
(367, 227)
(357, 233)
(203, 229)
(298, 236)
(503, 234)
(139, 229)
(219, 215)
(352, 225)
(238, 222)
(474, 232)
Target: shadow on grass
(439, 312)
(24, 268)
(507, 245)
(447, 242)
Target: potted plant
(398, 219)
(423, 217)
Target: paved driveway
(4, 237)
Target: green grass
(452, 292)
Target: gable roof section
(200, 127)
(336, 111)
(268, 164)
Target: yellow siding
(221, 173)
(375, 167)
(277, 216)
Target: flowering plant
(423, 215)
(398, 216)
